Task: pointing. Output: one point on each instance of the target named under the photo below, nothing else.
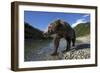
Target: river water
(41, 50)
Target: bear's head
(57, 27)
(53, 27)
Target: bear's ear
(62, 22)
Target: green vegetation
(82, 29)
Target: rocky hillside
(82, 29)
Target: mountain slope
(82, 29)
(31, 32)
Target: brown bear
(61, 29)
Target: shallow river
(41, 50)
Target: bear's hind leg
(68, 45)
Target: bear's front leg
(56, 44)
